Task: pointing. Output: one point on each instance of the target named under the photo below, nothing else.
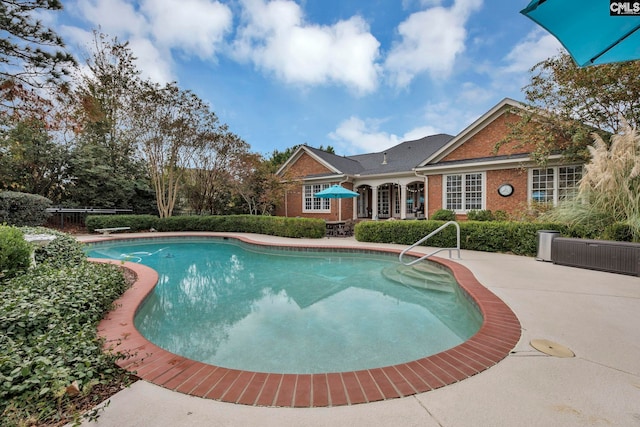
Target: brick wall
(304, 167)
(483, 143)
(434, 193)
(517, 177)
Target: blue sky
(360, 76)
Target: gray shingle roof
(344, 164)
(400, 158)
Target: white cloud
(275, 37)
(471, 93)
(420, 132)
(114, 17)
(154, 63)
(537, 46)
(358, 136)
(430, 42)
(154, 29)
(193, 26)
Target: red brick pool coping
(497, 336)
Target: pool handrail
(425, 238)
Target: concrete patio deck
(595, 314)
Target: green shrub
(618, 231)
(443, 215)
(519, 238)
(270, 225)
(63, 251)
(15, 252)
(48, 340)
(483, 215)
(21, 209)
(135, 222)
(500, 215)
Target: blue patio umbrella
(336, 192)
(593, 32)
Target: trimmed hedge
(444, 215)
(21, 209)
(270, 225)
(519, 238)
(136, 222)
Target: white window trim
(304, 209)
(556, 181)
(463, 174)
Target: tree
(173, 125)
(256, 184)
(208, 182)
(31, 55)
(106, 169)
(31, 162)
(569, 103)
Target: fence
(62, 218)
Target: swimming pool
(242, 306)
(498, 335)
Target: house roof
(420, 154)
(400, 158)
(343, 164)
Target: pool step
(421, 275)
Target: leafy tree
(329, 149)
(173, 125)
(208, 182)
(105, 166)
(570, 103)
(256, 184)
(31, 55)
(31, 161)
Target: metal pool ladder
(425, 238)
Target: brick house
(416, 178)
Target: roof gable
(311, 152)
(478, 126)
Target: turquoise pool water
(248, 307)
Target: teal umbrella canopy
(336, 192)
(593, 32)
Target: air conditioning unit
(604, 255)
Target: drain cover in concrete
(551, 348)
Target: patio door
(363, 204)
(383, 202)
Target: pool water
(254, 308)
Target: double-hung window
(553, 184)
(464, 192)
(315, 204)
